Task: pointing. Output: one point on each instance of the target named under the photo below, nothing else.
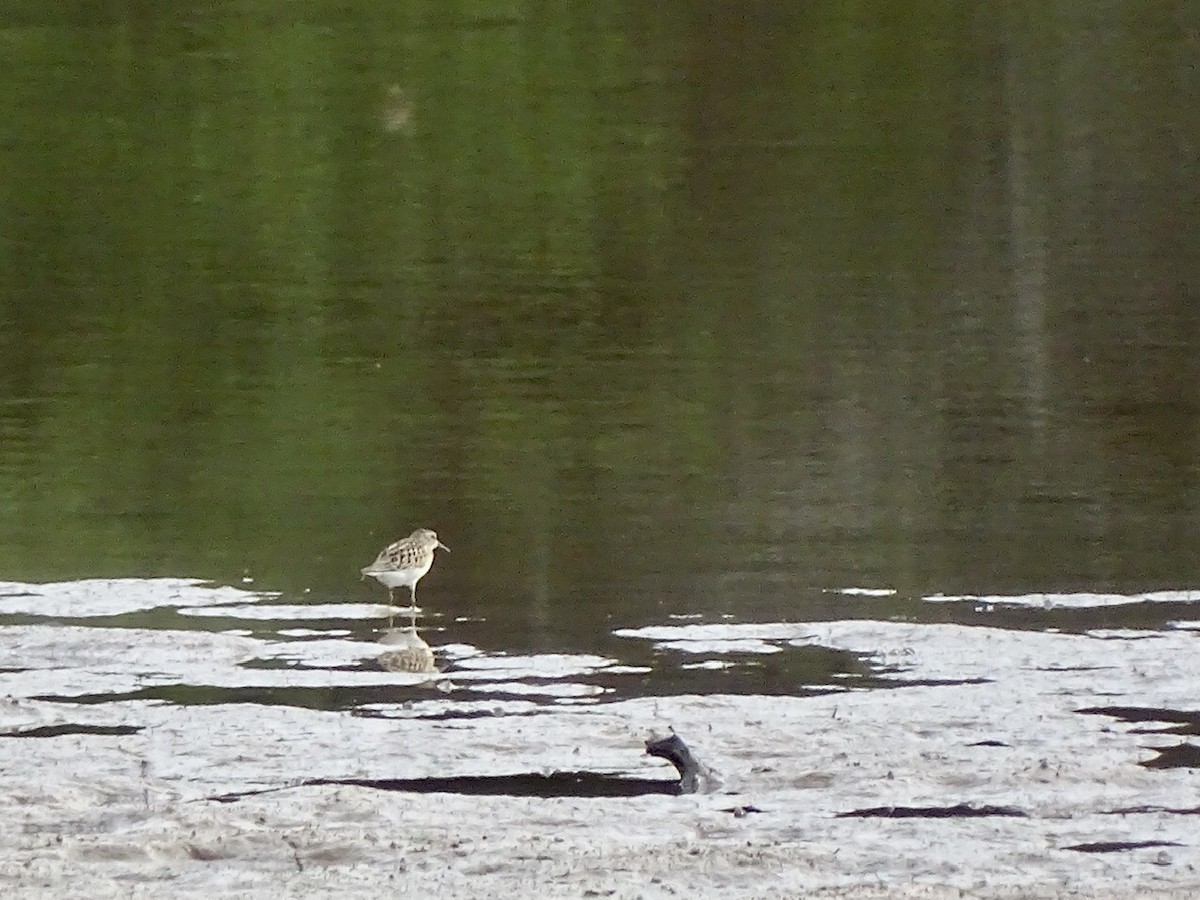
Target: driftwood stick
(694, 776)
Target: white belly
(394, 578)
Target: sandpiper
(404, 563)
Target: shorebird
(403, 564)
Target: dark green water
(647, 309)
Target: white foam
(283, 612)
(113, 596)
(1078, 600)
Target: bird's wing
(385, 560)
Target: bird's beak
(443, 546)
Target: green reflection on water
(645, 310)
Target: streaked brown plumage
(404, 563)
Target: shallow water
(751, 360)
(190, 643)
(639, 329)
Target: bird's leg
(391, 605)
(412, 609)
